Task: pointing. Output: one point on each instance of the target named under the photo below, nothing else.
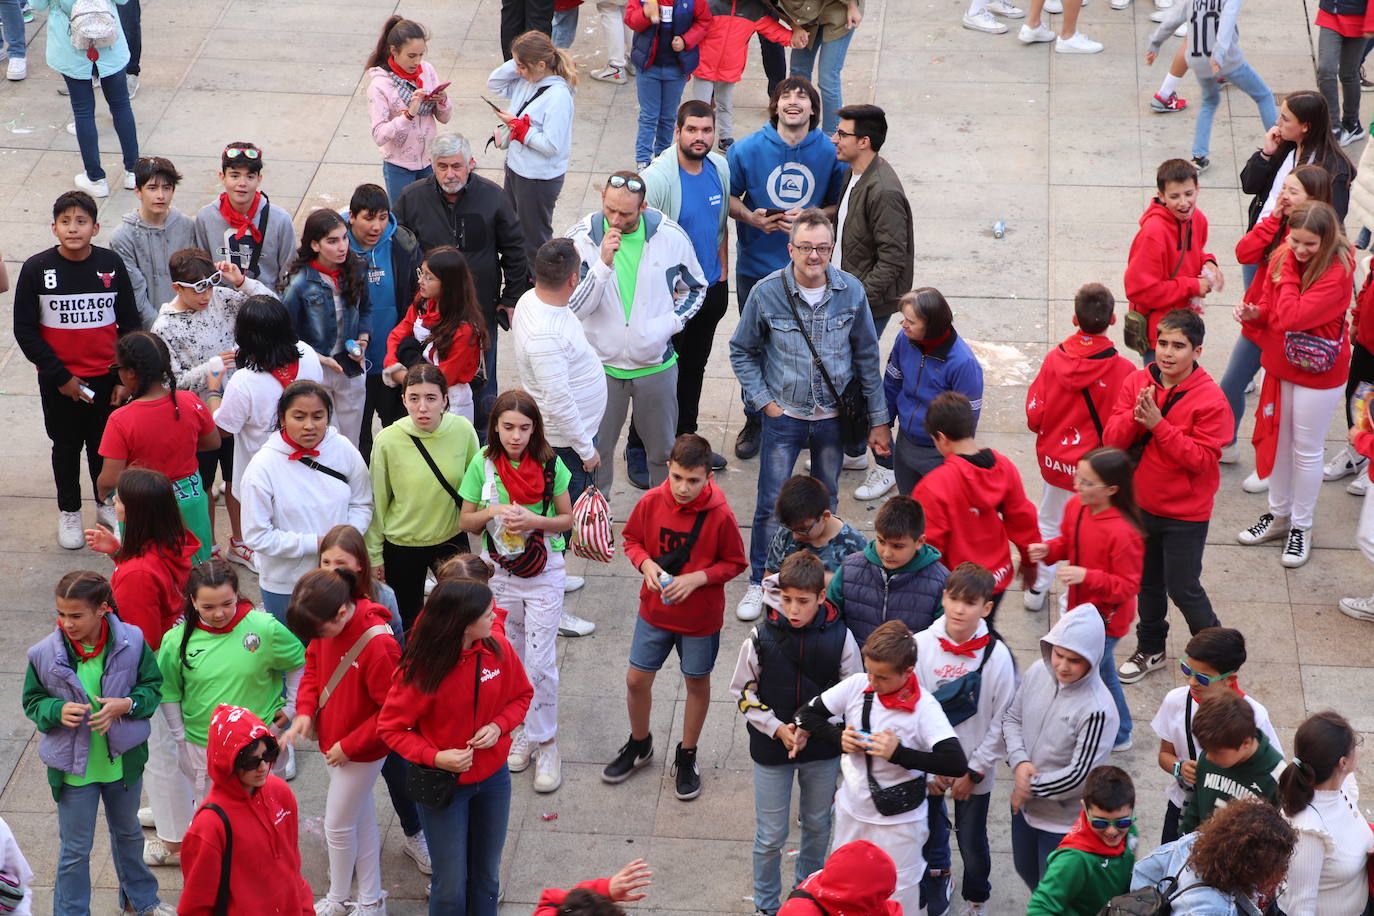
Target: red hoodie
(350, 716)
(857, 880)
(974, 504)
(553, 897)
(1362, 319)
(1163, 243)
(1178, 473)
(459, 365)
(1112, 551)
(265, 870)
(1055, 407)
(1251, 250)
(1318, 310)
(418, 725)
(657, 525)
(1364, 444)
(150, 589)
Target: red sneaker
(1165, 105)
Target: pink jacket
(404, 142)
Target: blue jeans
(1107, 668)
(1030, 848)
(12, 25)
(660, 90)
(275, 603)
(743, 286)
(394, 773)
(397, 178)
(1247, 81)
(131, 23)
(1240, 370)
(784, 438)
(581, 479)
(564, 28)
(116, 90)
(465, 842)
(831, 55)
(76, 810)
(971, 829)
(772, 818)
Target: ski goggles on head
(241, 152)
(201, 286)
(1203, 680)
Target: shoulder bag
(851, 405)
(673, 561)
(896, 799)
(959, 698)
(1135, 332)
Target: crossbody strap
(807, 895)
(438, 474)
(530, 101)
(222, 895)
(1188, 724)
(1169, 403)
(873, 786)
(252, 270)
(1092, 412)
(347, 661)
(801, 325)
(323, 468)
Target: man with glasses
(243, 226)
(781, 378)
(640, 285)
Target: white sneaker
(99, 188)
(1054, 6)
(880, 480)
(1344, 463)
(985, 22)
(107, 516)
(518, 758)
(1298, 548)
(1357, 486)
(855, 462)
(1359, 608)
(1120, 4)
(156, 853)
(288, 764)
(1029, 36)
(611, 73)
(572, 625)
(1163, 4)
(1268, 528)
(145, 817)
(1033, 600)
(572, 583)
(129, 181)
(750, 607)
(1255, 483)
(17, 70)
(548, 769)
(1005, 10)
(70, 534)
(1181, 30)
(1123, 746)
(326, 907)
(1077, 44)
(1160, 16)
(1230, 454)
(370, 909)
(417, 847)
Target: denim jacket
(309, 298)
(773, 363)
(1171, 860)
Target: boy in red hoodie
(1065, 408)
(1174, 417)
(1168, 267)
(975, 501)
(684, 540)
(599, 897)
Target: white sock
(976, 7)
(1170, 85)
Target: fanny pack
(1310, 353)
(529, 562)
(897, 799)
(673, 561)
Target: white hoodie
(288, 506)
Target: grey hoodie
(1211, 27)
(278, 244)
(145, 250)
(1063, 729)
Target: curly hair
(1243, 848)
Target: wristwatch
(975, 776)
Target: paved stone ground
(1063, 148)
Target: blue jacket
(309, 299)
(773, 362)
(767, 172)
(869, 595)
(1172, 859)
(389, 267)
(1344, 7)
(913, 379)
(645, 51)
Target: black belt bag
(890, 800)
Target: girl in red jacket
(598, 897)
(1101, 538)
(725, 52)
(444, 326)
(457, 695)
(350, 659)
(1305, 352)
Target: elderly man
(458, 207)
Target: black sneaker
(1201, 163)
(632, 755)
(1365, 84)
(718, 462)
(685, 771)
(637, 467)
(750, 438)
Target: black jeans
(521, 16)
(1172, 815)
(131, 21)
(394, 773)
(1361, 370)
(220, 459)
(774, 58)
(383, 401)
(406, 568)
(1173, 570)
(693, 346)
(73, 425)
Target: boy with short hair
(149, 235)
(806, 523)
(796, 652)
(1212, 665)
(1059, 726)
(71, 303)
(243, 226)
(1237, 760)
(1066, 405)
(975, 502)
(685, 542)
(898, 576)
(1093, 864)
(1168, 267)
(957, 646)
(894, 734)
(1174, 417)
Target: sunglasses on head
(1120, 823)
(201, 286)
(620, 181)
(1203, 680)
(241, 152)
(269, 756)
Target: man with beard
(461, 208)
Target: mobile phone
(440, 88)
(494, 106)
(87, 391)
(773, 211)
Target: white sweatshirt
(560, 369)
(1326, 875)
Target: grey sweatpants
(724, 93)
(655, 419)
(1338, 64)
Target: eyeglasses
(620, 181)
(422, 274)
(1120, 823)
(269, 756)
(805, 249)
(806, 529)
(842, 133)
(1203, 680)
(201, 286)
(241, 152)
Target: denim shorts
(650, 647)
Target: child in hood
(598, 897)
(857, 880)
(1093, 864)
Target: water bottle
(999, 229)
(663, 579)
(216, 364)
(354, 348)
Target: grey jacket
(1063, 729)
(145, 250)
(1211, 24)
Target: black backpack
(1148, 901)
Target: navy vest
(872, 597)
(784, 685)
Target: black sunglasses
(269, 756)
(620, 181)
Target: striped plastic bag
(592, 538)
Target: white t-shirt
(920, 730)
(812, 297)
(1168, 724)
(840, 217)
(249, 409)
(560, 369)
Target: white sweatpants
(903, 842)
(703, 90)
(171, 794)
(348, 395)
(460, 402)
(1364, 532)
(611, 13)
(350, 830)
(1051, 513)
(534, 608)
(1305, 415)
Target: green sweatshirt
(1255, 777)
(409, 506)
(1079, 883)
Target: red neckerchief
(525, 484)
(298, 453)
(969, 648)
(930, 343)
(1083, 837)
(241, 224)
(240, 611)
(82, 653)
(332, 275)
(286, 374)
(904, 697)
(429, 312)
(413, 77)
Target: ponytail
(1318, 747)
(146, 355)
(396, 31)
(534, 47)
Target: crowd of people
(406, 511)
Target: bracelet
(409, 116)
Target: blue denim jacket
(773, 363)
(309, 299)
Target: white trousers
(1052, 502)
(460, 402)
(903, 842)
(534, 608)
(350, 830)
(1305, 415)
(1364, 533)
(611, 13)
(171, 794)
(348, 395)
(703, 90)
